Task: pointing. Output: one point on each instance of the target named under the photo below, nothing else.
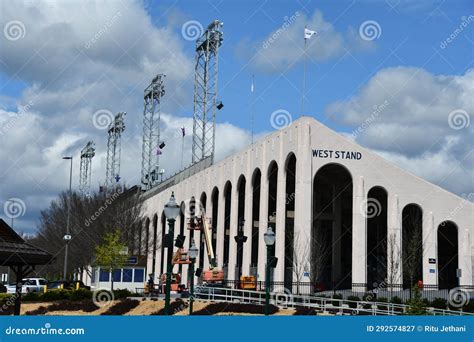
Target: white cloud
(284, 47)
(404, 113)
(77, 58)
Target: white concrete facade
(367, 170)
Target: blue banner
(237, 328)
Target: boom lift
(213, 275)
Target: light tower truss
(85, 174)
(116, 127)
(205, 91)
(151, 132)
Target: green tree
(416, 305)
(110, 255)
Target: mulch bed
(215, 308)
(83, 305)
(305, 311)
(176, 306)
(122, 307)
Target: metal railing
(322, 304)
(389, 292)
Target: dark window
(93, 275)
(104, 275)
(127, 275)
(139, 272)
(117, 275)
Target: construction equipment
(213, 275)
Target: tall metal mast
(85, 174)
(116, 127)
(205, 91)
(151, 131)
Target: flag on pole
(308, 33)
(183, 131)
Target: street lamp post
(171, 212)
(193, 253)
(67, 237)
(269, 238)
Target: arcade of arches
(330, 244)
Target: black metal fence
(392, 293)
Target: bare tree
(412, 247)
(300, 252)
(393, 261)
(91, 219)
(320, 253)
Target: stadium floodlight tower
(151, 131)
(112, 171)
(205, 91)
(85, 174)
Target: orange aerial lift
(213, 275)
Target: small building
(131, 277)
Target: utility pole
(67, 237)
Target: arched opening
(227, 213)
(256, 181)
(240, 225)
(376, 216)
(155, 237)
(272, 204)
(215, 208)
(290, 198)
(447, 255)
(412, 245)
(202, 246)
(146, 246)
(182, 224)
(192, 213)
(331, 236)
(162, 242)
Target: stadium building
(343, 216)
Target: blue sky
(411, 33)
(50, 62)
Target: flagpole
(304, 75)
(182, 150)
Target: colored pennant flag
(308, 33)
(117, 178)
(158, 152)
(183, 130)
